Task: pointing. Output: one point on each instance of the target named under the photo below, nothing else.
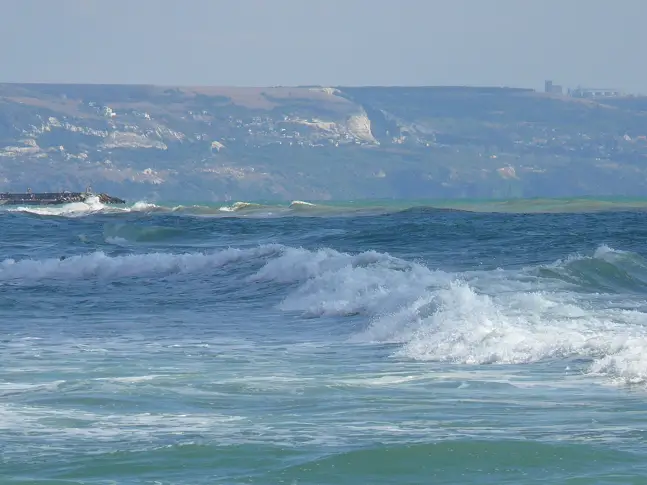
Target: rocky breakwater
(55, 198)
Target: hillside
(219, 143)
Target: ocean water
(338, 344)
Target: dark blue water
(408, 346)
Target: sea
(363, 342)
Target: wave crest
(491, 317)
(100, 265)
(240, 206)
(494, 317)
(92, 205)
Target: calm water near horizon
(338, 343)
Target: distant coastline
(326, 143)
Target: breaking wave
(92, 205)
(239, 206)
(238, 209)
(577, 309)
(249, 209)
(101, 265)
(490, 317)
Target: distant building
(580, 92)
(551, 88)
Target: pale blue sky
(598, 43)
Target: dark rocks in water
(55, 198)
(108, 199)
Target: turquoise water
(335, 344)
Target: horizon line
(96, 83)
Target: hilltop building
(581, 92)
(551, 88)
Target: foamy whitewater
(321, 344)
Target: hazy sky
(596, 43)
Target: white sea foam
(487, 317)
(99, 264)
(496, 317)
(92, 205)
(49, 423)
(301, 203)
(238, 206)
(141, 206)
